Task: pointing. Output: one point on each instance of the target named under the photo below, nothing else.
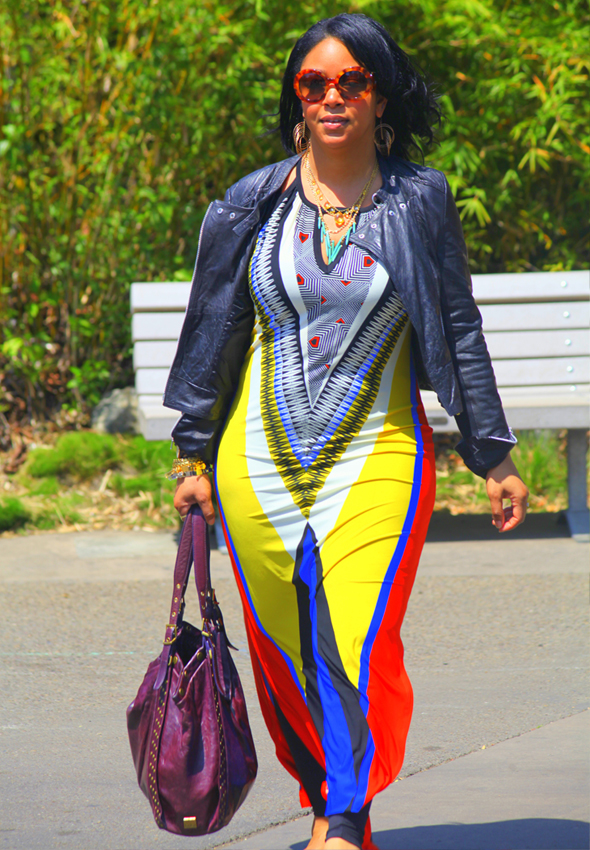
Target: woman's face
(334, 122)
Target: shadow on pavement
(447, 528)
(526, 834)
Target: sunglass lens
(353, 84)
(312, 87)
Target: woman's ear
(381, 104)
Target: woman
(326, 287)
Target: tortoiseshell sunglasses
(352, 84)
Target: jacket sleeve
(214, 340)
(486, 437)
(197, 436)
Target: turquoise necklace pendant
(333, 247)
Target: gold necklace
(345, 220)
(342, 217)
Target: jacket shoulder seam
(249, 186)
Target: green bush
(80, 454)
(13, 513)
(121, 121)
(541, 460)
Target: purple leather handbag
(188, 725)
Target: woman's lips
(334, 121)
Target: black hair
(412, 109)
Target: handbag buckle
(174, 627)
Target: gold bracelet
(184, 467)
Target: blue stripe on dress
(336, 740)
(236, 561)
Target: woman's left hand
(504, 482)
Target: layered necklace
(345, 220)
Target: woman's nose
(333, 96)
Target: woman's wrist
(188, 467)
(504, 468)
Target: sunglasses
(352, 84)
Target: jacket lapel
(393, 238)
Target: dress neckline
(325, 267)
(298, 183)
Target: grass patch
(60, 512)
(90, 481)
(155, 457)
(540, 457)
(93, 481)
(150, 483)
(79, 454)
(84, 455)
(13, 513)
(49, 486)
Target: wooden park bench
(537, 329)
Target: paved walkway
(529, 792)
(496, 646)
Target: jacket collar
(267, 184)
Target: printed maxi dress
(325, 484)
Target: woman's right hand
(194, 490)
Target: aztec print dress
(325, 484)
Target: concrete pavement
(496, 645)
(531, 791)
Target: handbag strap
(201, 557)
(194, 545)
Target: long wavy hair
(412, 109)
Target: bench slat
(555, 394)
(159, 422)
(496, 317)
(528, 418)
(487, 288)
(159, 353)
(535, 407)
(531, 286)
(552, 395)
(156, 326)
(510, 345)
(537, 371)
(535, 317)
(526, 407)
(151, 381)
(542, 370)
(160, 296)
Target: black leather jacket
(416, 234)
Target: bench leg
(578, 516)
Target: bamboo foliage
(120, 120)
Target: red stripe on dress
(269, 664)
(391, 701)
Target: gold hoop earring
(301, 137)
(383, 136)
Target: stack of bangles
(185, 467)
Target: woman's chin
(337, 139)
